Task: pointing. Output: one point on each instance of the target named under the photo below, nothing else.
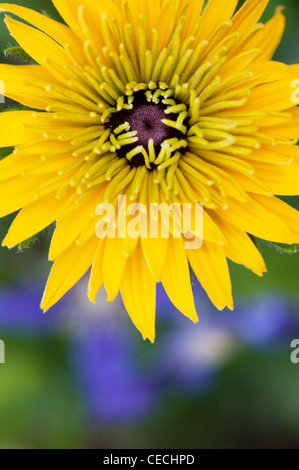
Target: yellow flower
(161, 102)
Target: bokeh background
(81, 376)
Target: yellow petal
(273, 119)
(150, 9)
(284, 180)
(271, 155)
(14, 164)
(49, 167)
(240, 248)
(96, 279)
(255, 219)
(290, 129)
(67, 270)
(287, 214)
(155, 253)
(129, 245)
(211, 231)
(210, 267)
(19, 86)
(216, 12)
(44, 147)
(238, 63)
(14, 130)
(113, 266)
(138, 290)
(52, 28)
(166, 28)
(176, 279)
(37, 44)
(295, 68)
(68, 9)
(232, 186)
(252, 184)
(274, 71)
(275, 96)
(248, 15)
(70, 226)
(193, 13)
(32, 219)
(268, 39)
(18, 192)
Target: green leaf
(29, 241)
(280, 247)
(49, 15)
(5, 151)
(284, 248)
(18, 52)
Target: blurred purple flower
(266, 322)
(121, 378)
(193, 355)
(20, 312)
(106, 368)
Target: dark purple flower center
(145, 118)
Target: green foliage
(29, 241)
(284, 248)
(5, 151)
(280, 247)
(17, 51)
(49, 15)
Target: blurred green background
(254, 404)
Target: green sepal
(18, 52)
(284, 248)
(280, 247)
(29, 241)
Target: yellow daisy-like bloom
(161, 101)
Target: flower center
(148, 127)
(146, 119)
